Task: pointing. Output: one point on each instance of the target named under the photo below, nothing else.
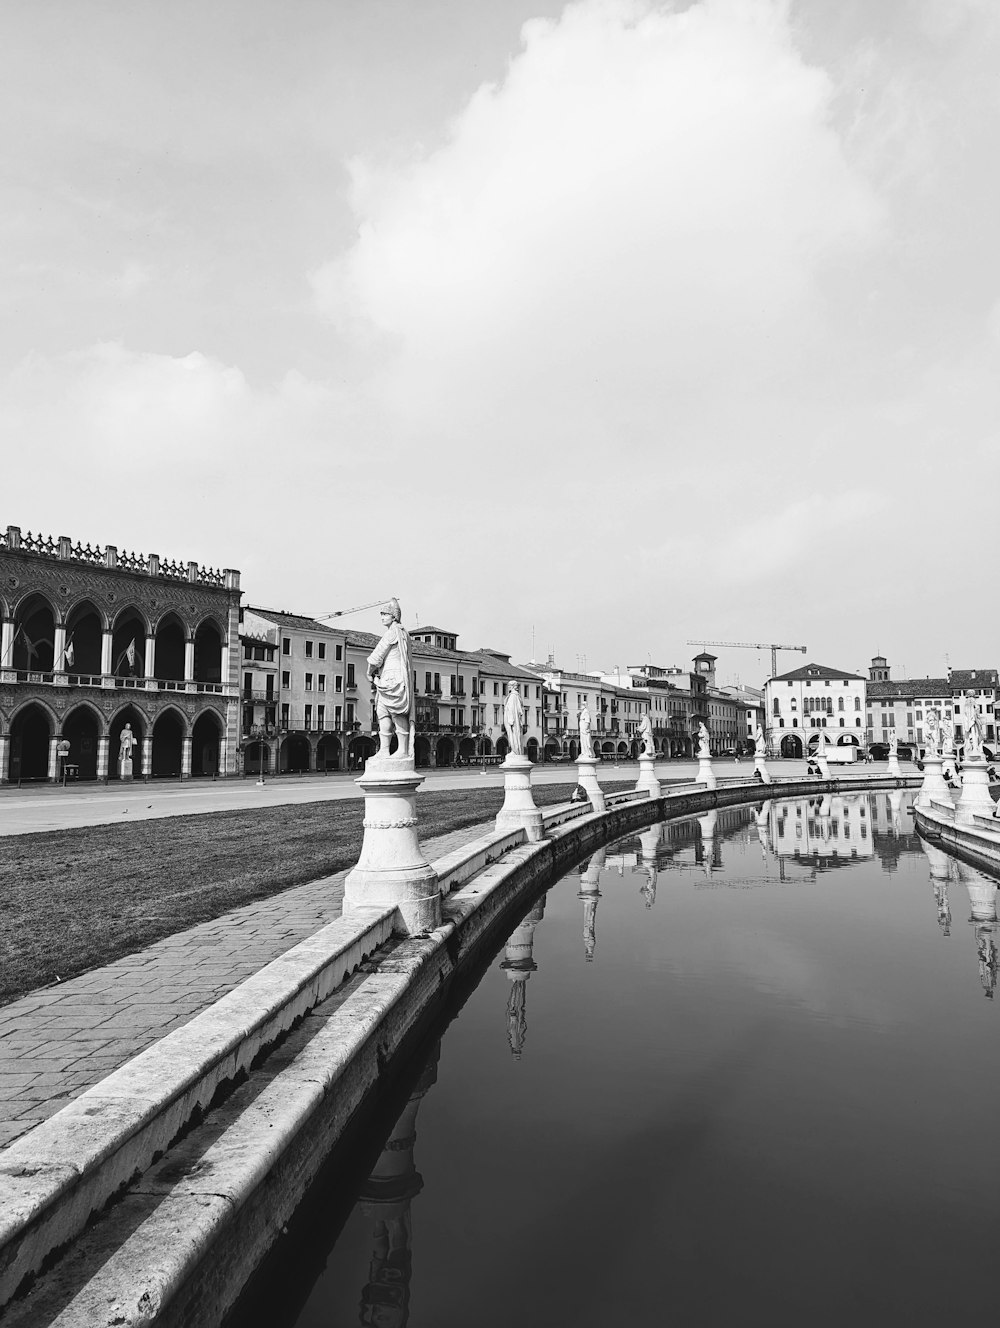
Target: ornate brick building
(93, 640)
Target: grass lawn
(76, 899)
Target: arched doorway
(445, 754)
(359, 750)
(634, 751)
(30, 731)
(791, 746)
(168, 656)
(34, 635)
(168, 735)
(847, 740)
(551, 749)
(467, 751)
(328, 753)
(128, 645)
(422, 752)
(84, 638)
(131, 717)
(622, 749)
(531, 749)
(252, 758)
(573, 750)
(205, 744)
(80, 729)
(607, 749)
(294, 758)
(503, 747)
(207, 653)
(487, 747)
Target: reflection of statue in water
(648, 891)
(986, 948)
(704, 740)
(519, 965)
(513, 720)
(391, 672)
(386, 1197)
(943, 907)
(590, 893)
(646, 736)
(586, 740)
(973, 729)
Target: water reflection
(385, 1200)
(649, 842)
(590, 893)
(518, 963)
(983, 920)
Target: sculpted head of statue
(391, 611)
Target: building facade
(811, 699)
(900, 707)
(94, 640)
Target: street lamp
(259, 732)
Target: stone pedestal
(519, 808)
(706, 775)
(974, 799)
(586, 777)
(761, 769)
(647, 776)
(894, 769)
(392, 868)
(125, 768)
(934, 786)
(824, 766)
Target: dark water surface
(735, 1070)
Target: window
(840, 703)
(321, 682)
(857, 722)
(309, 650)
(496, 689)
(284, 715)
(320, 716)
(309, 716)
(248, 682)
(350, 674)
(286, 679)
(286, 645)
(338, 683)
(340, 652)
(322, 650)
(337, 714)
(857, 703)
(309, 682)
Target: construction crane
(342, 613)
(773, 646)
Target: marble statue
(390, 669)
(586, 739)
(893, 744)
(759, 742)
(948, 735)
(933, 731)
(126, 747)
(513, 720)
(646, 736)
(704, 741)
(973, 729)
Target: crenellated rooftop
(64, 550)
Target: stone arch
(31, 730)
(791, 746)
(328, 751)
(531, 749)
(487, 747)
(847, 740)
(360, 748)
(206, 743)
(209, 639)
(168, 653)
(132, 715)
(128, 633)
(82, 728)
(444, 753)
(607, 748)
(467, 750)
(574, 750)
(622, 749)
(169, 731)
(85, 624)
(293, 754)
(422, 751)
(34, 633)
(551, 749)
(252, 757)
(633, 750)
(503, 747)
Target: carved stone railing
(63, 548)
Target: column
(147, 757)
(4, 758)
(223, 755)
(7, 644)
(224, 666)
(149, 659)
(189, 660)
(103, 744)
(186, 756)
(59, 653)
(54, 759)
(106, 660)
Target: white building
(809, 699)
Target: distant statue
(704, 741)
(391, 672)
(513, 720)
(586, 740)
(126, 747)
(948, 736)
(646, 736)
(973, 729)
(893, 744)
(933, 732)
(759, 742)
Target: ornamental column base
(392, 869)
(586, 777)
(647, 776)
(934, 786)
(974, 799)
(518, 810)
(706, 775)
(761, 769)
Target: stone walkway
(56, 1042)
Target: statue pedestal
(647, 776)
(761, 769)
(974, 799)
(586, 777)
(125, 768)
(934, 785)
(392, 868)
(519, 808)
(824, 767)
(948, 766)
(706, 775)
(894, 769)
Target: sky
(591, 328)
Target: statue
(513, 720)
(704, 741)
(973, 729)
(646, 736)
(391, 672)
(126, 746)
(759, 743)
(893, 744)
(933, 732)
(586, 741)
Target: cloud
(131, 279)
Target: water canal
(741, 1068)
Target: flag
(69, 653)
(28, 645)
(130, 654)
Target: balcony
(258, 698)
